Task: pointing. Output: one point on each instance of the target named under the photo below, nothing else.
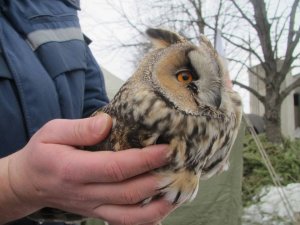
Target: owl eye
(184, 76)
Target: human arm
(49, 172)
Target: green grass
(285, 159)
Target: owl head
(187, 76)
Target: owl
(177, 96)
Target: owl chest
(197, 142)
(155, 123)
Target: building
(290, 108)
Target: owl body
(177, 96)
(199, 143)
(199, 119)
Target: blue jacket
(47, 70)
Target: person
(49, 86)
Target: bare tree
(266, 31)
(277, 35)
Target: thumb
(87, 131)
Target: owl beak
(216, 99)
(193, 88)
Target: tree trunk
(272, 115)
(273, 127)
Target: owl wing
(124, 133)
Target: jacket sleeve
(95, 95)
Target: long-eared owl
(177, 96)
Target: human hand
(51, 172)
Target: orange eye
(184, 76)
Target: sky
(95, 17)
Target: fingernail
(101, 123)
(161, 151)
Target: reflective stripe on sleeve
(40, 37)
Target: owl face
(185, 74)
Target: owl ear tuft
(162, 38)
(206, 41)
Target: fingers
(130, 191)
(135, 214)
(87, 131)
(105, 166)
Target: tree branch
(198, 11)
(248, 68)
(124, 15)
(292, 42)
(289, 89)
(292, 22)
(278, 34)
(263, 28)
(217, 17)
(244, 48)
(243, 14)
(260, 97)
